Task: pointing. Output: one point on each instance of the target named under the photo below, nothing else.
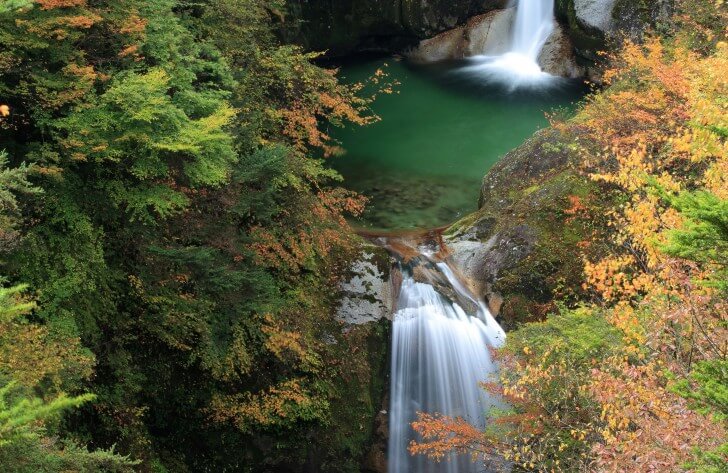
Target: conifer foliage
(166, 204)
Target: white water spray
(534, 23)
(439, 356)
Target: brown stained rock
(483, 34)
(495, 303)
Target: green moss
(543, 201)
(357, 398)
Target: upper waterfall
(533, 24)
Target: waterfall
(439, 356)
(533, 26)
(534, 22)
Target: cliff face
(345, 26)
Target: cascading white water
(439, 356)
(534, 23)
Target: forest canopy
(164, 203)
(173, 237)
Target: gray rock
(595, 14)
(367, 295)
(557, 56)
(482, 262)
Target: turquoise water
(422, 164)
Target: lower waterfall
(440, 354)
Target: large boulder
(487, 34)
(523, 244)
(558, 56)
(595, 14)
(345, 26)
(592, 24)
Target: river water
(422, 164)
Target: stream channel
(421, 167)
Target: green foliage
(552, 417)
(18, 419)
(714, 461)
(704, 235)
(706, 387)
(13, 182)
(137, 128)
(10, 5)
(185, 240)
(10, 307)
(581, 335)
(702, 23)
(25, 420)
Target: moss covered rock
(357, 438)
(527, 241)
(591, 24)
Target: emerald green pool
(422, 164)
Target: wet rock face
(484, 34)
(482, 262)
(501, 252)
(346, 26)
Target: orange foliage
(443, 435)
(655, 132)
(662, 123)
(319, 229)
(287, 346)
(53, 4)
(279, 405)
(647, 428)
